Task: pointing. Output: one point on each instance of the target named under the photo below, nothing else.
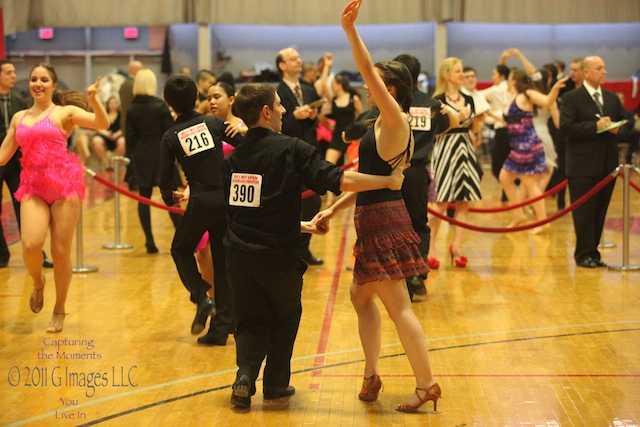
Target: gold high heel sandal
(37, 303)
(56, 326)
(433, 393)
(370, 388)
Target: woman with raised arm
(386, 250)
(527, 158)
(52, 179)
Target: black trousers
(588, 218)
(10, 173)
(205, 212)
(266, 291)
(415, 191)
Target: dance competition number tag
(246, 189)
(420, 118)
(196, 139)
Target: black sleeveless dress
(387, 245)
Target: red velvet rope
(176, 209)
(139, 198)
(553, 217)
(552, 191)
(631, 183)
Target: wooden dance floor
(521, 337)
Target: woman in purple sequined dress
(526, 160)
(52, 179)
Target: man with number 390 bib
(195, 141)
(263, 177)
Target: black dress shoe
(600, 263)
(311, 260)
(46, 262)
(587, 263)
(241, 392)
(206, 308)
(4, 263)
(212, 339)
(417, 283)
(271, 393)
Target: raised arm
(545, 101)
(98, 119)
(528, 66)
(394, 129)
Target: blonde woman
(454, 162)
(148, 118)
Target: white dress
(540, 124)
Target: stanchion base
(117, 246)
(607, 245)
(625, 267)
(85, 269)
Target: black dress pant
(10, 173)
(588, 218)
(205, 212)
(266, 291)
(415, 191)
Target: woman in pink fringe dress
(52, 179)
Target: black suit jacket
(303, 129)
(589, 153)
(17, 104)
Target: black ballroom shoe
(272, 393)
(587, 263)
(213, 339)
(417, 283)
(206, 308)
(4, 263)
(600, 263)
(241, 392)
(46, 262)
(311, 260)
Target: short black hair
(467, 69)
(503, 70)
(180, 92)
(412, 63)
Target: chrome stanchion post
(116, 181)
(606, 245)
(625, 225)
(80, 267)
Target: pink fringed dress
(49, 170)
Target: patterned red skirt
(387, 246)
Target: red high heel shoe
(459, 262)
(370, 388)
(433, 263)
(433, 393)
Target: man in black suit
(300, 120)
(10, 103)
(590, 156)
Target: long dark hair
(397, 75)
(64, 97)
(344, 82)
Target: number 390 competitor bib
(245, 190)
